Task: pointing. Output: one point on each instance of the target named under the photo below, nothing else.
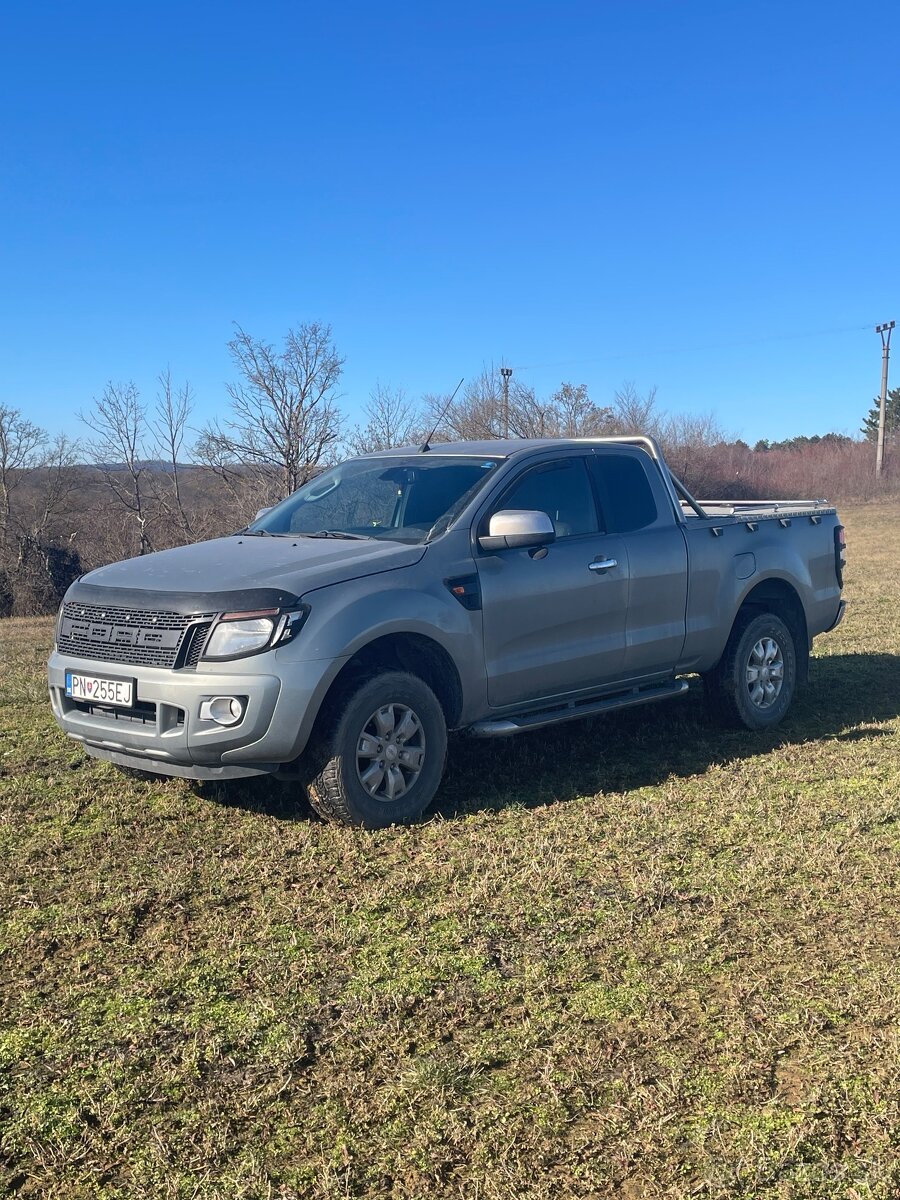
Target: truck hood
(238, 573)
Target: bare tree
(21, 446)
(478, 414)
(285, 421)
(633, 413)
(568, 412)
(576, 414)
(174, 406)
(59, 485)
(391, 420)
(696, 449)
(47, 559)
(119, 451)
(37, 484)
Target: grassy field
(638, 957)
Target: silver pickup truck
(489, 587)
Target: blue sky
(698, 196)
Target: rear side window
(560, 489)
(627, 496)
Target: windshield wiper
(339, 533)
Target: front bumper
(163, 731)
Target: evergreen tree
(891, 418)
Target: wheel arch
(412, 652)
(777, 596)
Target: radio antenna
(425, 447)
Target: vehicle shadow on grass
(642, 747)
(260, 794)
(634, 748)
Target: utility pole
(885, 331)
(506, 372)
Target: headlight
(231, 638)
(236, 634)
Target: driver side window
(562, 490)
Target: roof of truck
(493, 447)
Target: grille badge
(149, 638)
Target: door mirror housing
(518, 529)
(262, 512)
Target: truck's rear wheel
(382, 755)
(754, 682)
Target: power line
(699, 349)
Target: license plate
(97, 690)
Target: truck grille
(142, 637)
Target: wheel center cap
(390, 752)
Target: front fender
(346, 617)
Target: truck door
(637, 507)
(555, 622)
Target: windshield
(398, 499)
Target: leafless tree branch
(284, 423)
(118, 449)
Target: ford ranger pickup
(487, 587)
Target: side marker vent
(465, 589)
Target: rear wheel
(382, 756)
(753, 684)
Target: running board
(504, 726)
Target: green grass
(639, 957)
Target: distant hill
(149, 464)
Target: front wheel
(753, 684)
(382, 756)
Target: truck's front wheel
(382, 755)
(754, 682)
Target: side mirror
(518, 529)
(262, 512)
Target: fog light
(224, 710)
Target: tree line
(143, 477)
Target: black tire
(734, 697)
(351, 739)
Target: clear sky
(696, 195)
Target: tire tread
(721, 684)
(326, 789)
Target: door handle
(602, 564)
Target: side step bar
(504, 726)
